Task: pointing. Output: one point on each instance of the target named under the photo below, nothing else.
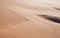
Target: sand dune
(19, 19)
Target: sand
(19, 21)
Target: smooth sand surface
(18, 21)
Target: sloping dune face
(17, 20)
